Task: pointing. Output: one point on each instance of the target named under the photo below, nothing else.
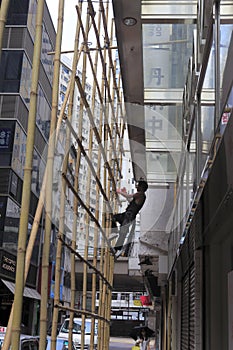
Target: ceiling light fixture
(129, 21)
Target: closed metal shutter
(188, 310)
(192, 309)
(185, 314)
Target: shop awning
(28, 292)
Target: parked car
(27, 342)
(30, 342)
(61, 343)
(77, 324)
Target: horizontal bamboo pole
(83, 312)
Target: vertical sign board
(230, 310)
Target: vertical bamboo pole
(3, 18)
(48, 195)
(25, 204)
(74, 229)
(87, 219)
(108, 150)
(75, 209)
(34, 230)
(100, 308)
(96, 230)
(63, 198)
(103, 257)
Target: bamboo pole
(106, 182)
(75, 209)
(3, 19)
(109, 148)
(37, 218)
(96, 231)
(102, 256)
(87, 221)
(63, 195)
(25, 204)
(35, 226)
(102, 111)
(49, 184)
(91, 266)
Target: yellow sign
(137, 302)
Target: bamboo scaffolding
(102, 256)
(87, 221)
(3, 19)
(36, 219)
(74, 227)
(88, 211)
(97, 85)
(89, 162)
(108, 45)
(102, 111)
(84, 312)
(63, 197)
(49, 184)
(103, 60)
(35, 226)
(84, 260)
(25, 204)
(106, 81)
(107, 270)
(106, 258)
(95, 130)
(96, 231)
(107, 187)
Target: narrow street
(121, 343)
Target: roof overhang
(129, 38)
(28, 292)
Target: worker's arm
(125, 194)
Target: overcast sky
(70, 18)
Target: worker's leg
(124, 229)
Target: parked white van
(64, 332)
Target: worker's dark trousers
(125, 220)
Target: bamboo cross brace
(109, 51)
(89, 212)
(91, 266)
(86, 104)
(88, 160)
(97, 86)
(92, 14)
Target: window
(10, 71)
(18, 11)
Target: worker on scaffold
(125, 219)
